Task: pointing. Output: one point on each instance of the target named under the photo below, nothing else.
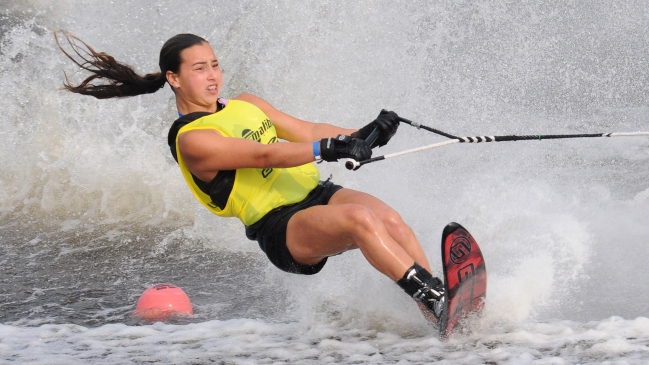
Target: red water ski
(465, 277)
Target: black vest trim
(220, 187)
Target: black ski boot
(424, 288)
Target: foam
(254, 341)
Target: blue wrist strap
(316, 151)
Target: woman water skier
(227, 152)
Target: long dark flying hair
(122, 80)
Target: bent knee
(361, 219)
(394, 223)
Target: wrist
(316, 151)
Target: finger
(384, 125)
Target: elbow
(265, 163)
(265, 159)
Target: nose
(214, 73)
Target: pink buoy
(162, 301)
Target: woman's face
(198, 81)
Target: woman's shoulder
(252, 99)
(260, 103)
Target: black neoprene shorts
(270, 231)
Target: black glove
(387, 122)
(331, 149)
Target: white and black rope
(355, 165)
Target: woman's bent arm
(206, 152)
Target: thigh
(349, 196)
(390, 218)
(326, 230)
(320, 231)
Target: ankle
(421, 284)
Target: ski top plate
(465, 277)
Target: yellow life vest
(256, 191)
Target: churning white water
(93, 208)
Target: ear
(172, 79)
